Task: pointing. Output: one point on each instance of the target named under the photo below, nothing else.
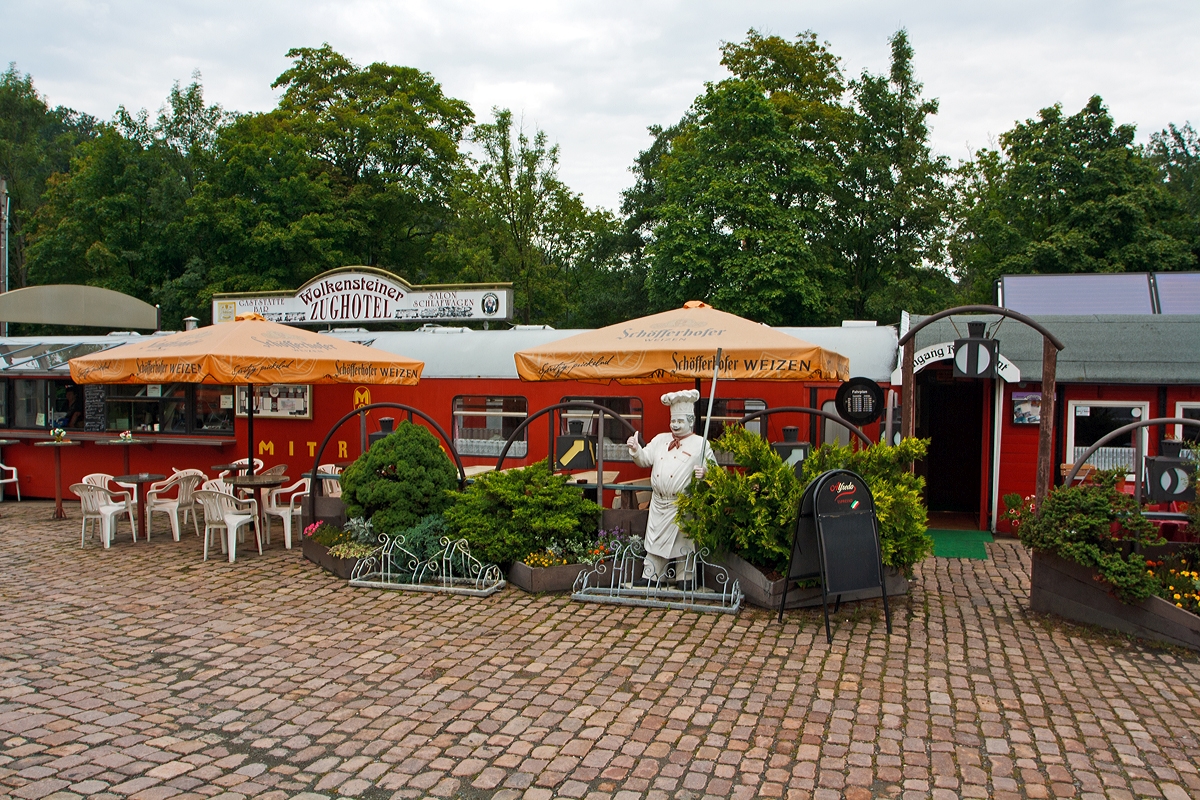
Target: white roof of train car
(465, 353)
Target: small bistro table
(139, 480)
(58, 508)
(254, 483)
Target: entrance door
(951, 417)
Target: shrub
(750, 510)
(1096, 526)
(897, 492)
(402, 478)
(424, 540)
(507, 515)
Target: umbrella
(248, 351)
(678, 346)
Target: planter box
(766, 593)
(631, 520)
(319, 554)
(329, 509)
(545, 579)
(1061, 587)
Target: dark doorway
(950, 415)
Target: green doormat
(960, 544)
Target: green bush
(402, 478)
(750, 511)
(1096, 526)
(424, 540)
(897, 492)
(505, 516)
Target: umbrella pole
(250, 428)
(712, 395)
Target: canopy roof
(248, 350)
(678, 346)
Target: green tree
(1064, 194)
(885, 231)
(36, 142)
(389, 138)
(1176, 154)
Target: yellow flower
(1177, 596)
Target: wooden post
(908, 404)
(1045, 465)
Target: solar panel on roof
(1122, 293)
(1178, 292)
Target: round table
(227, 467)
(139, 480)
(58, 509)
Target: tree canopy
(788, 192)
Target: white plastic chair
(231, 513)
(241, 467)
(330, 487)
(9, 475)
(98, 479)
(217, 485)
(101, 504)
(185, 486)
(275, 508)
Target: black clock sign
(859, 400)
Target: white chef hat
(681, 402)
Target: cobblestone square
(144, 672)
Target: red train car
(469, 386)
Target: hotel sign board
(354, 295)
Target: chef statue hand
(634, 447)
(700, 473)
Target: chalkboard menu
(837, 540)
(94, 414)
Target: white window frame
(1073, 404)
(1180, 405)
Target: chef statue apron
(674, 458)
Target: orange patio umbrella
(678, 346)
(248, 351)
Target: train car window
(1089, 420)
(729, 410)
(483, 424)
(833, 433)
(212, 411)
(66, 401)
(584, 422)
(30, 408)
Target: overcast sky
(595, 75)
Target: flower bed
(559, 578)
(766, 592)
(319, 554)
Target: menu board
(278, 400)
(94, 412)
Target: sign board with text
(356, 295)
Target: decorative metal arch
(312, 489)
(550, 454)
(766, 412)
(1051, 344)
(1137, 447)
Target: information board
(95, 415)
(837, 540)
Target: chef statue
(675, 458)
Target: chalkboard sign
(837, 540)
(95, 417)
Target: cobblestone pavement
(144, 672)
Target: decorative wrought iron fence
(452, 569)
(689, 583)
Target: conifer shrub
(403, 477)
(507, 515)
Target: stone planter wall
(630, 520)
(766, 593)
(545, 579)
(1058, 586)
(319, 554)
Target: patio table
(122, 443)
(58, 509)
(138, 480)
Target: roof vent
(123, 333)
(349, 330)
(858, 323)
(532, 328)
(431, 328)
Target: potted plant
(529, 520)
(1088, 563)
(338, 550)
(747, 514)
